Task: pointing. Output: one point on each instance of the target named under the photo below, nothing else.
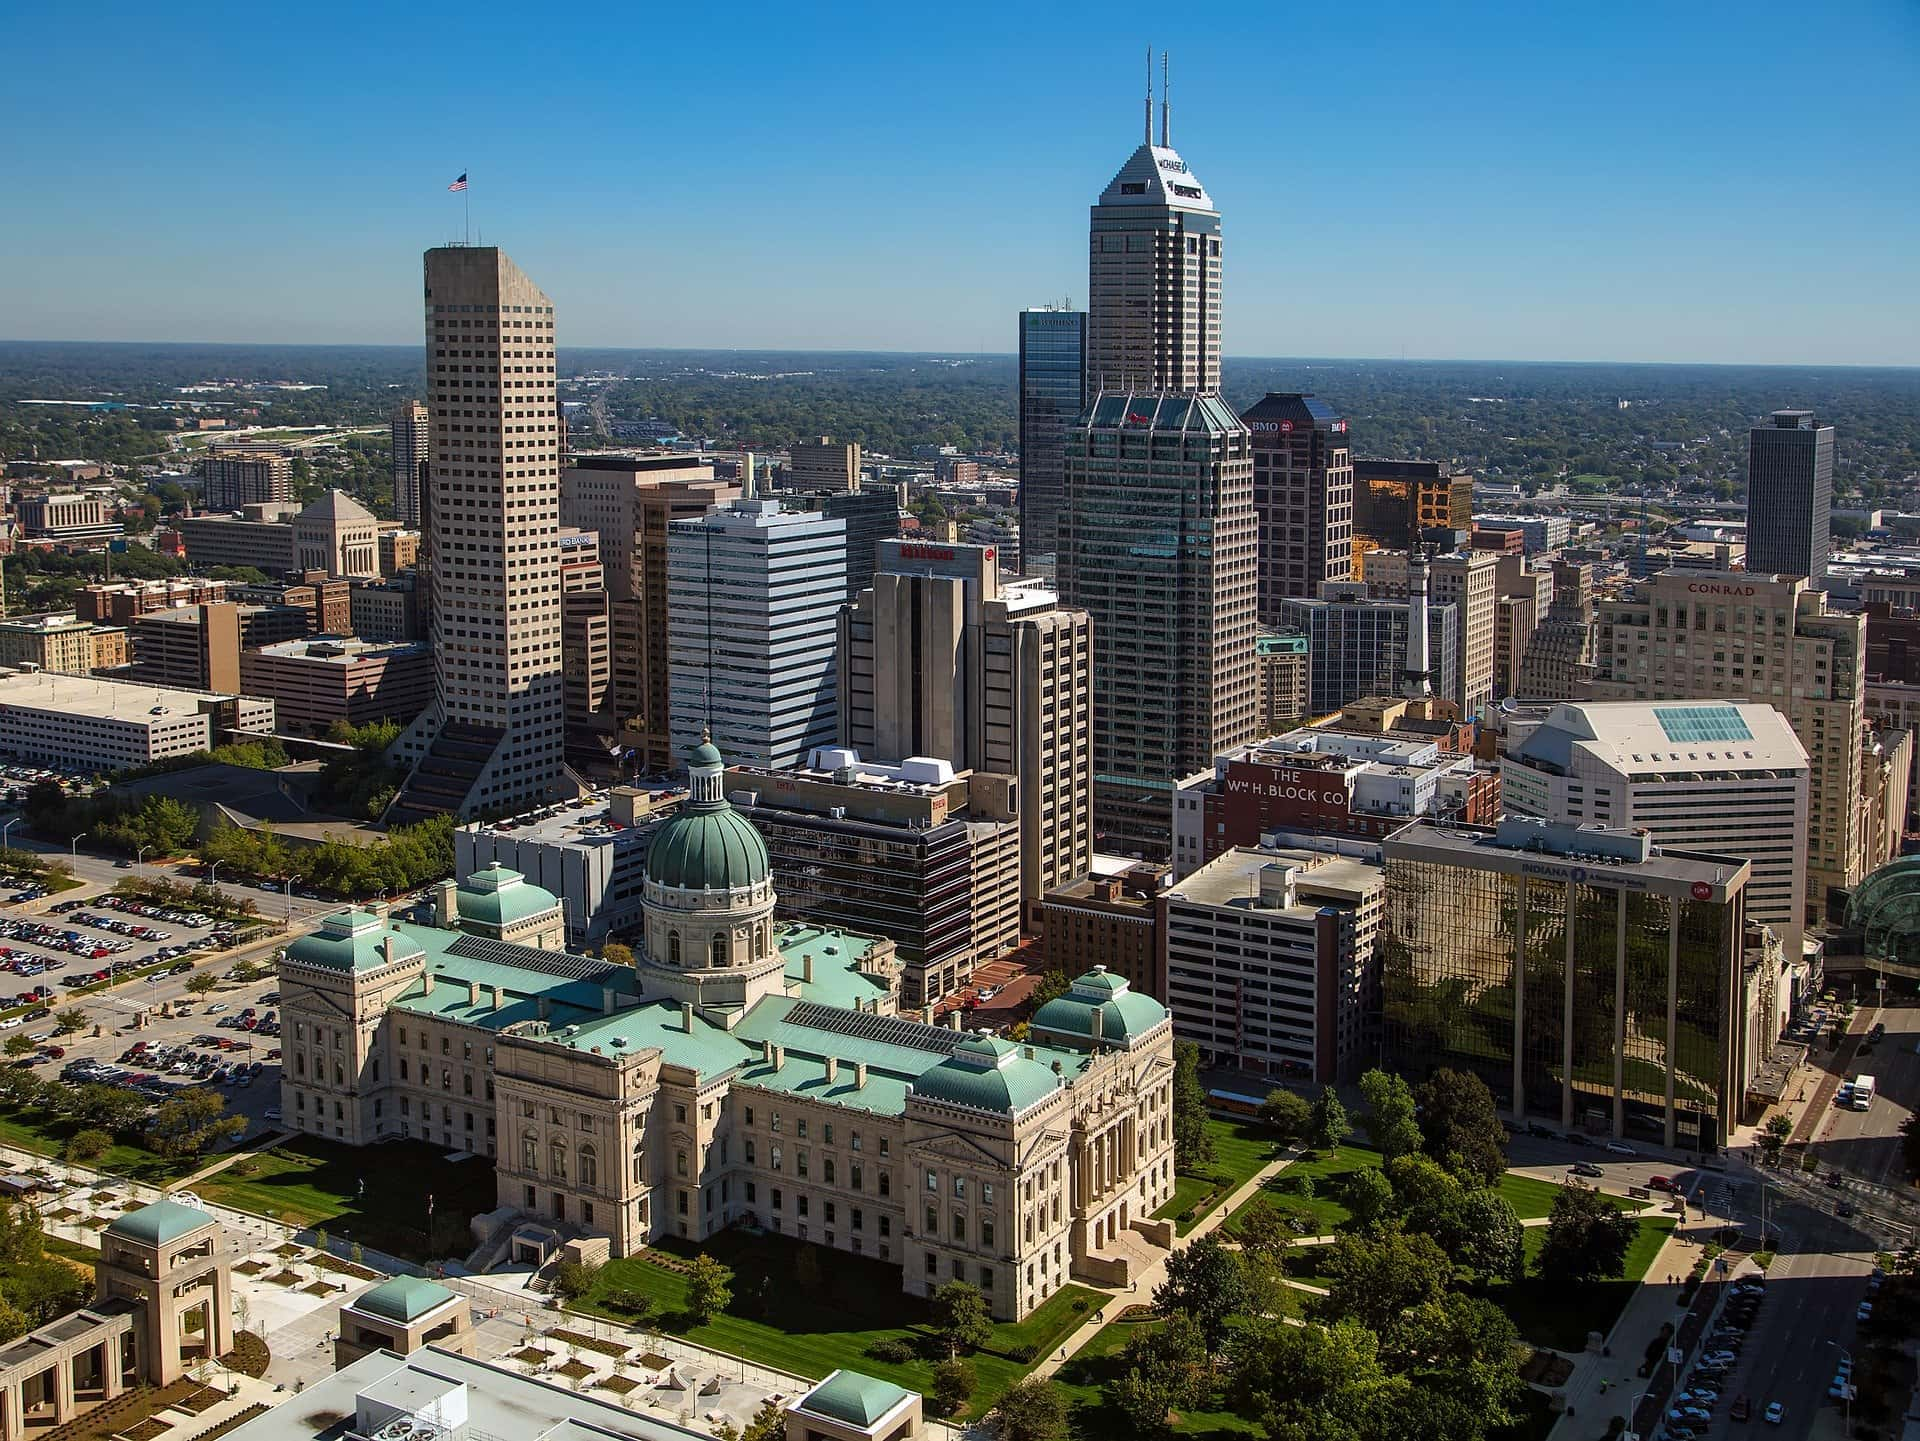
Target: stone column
(63, 1390)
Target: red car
(1661, 1183)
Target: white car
(216, 1008)
(1776, 1413)
(272, 1113)
(1621, 1148)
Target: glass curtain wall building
(1053, 392)
(1590, 979)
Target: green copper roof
(855, 1399)
(352, 940)
(159, 1223)
(498, 896)
(704, 754)
(1124, 1016)
(987, 1074)
(403, 1299)
(708, 847)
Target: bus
(1234, 1103)
(1862, 1093)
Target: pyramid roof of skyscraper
(1156, 175)
(1302, 408)
(1163, 410)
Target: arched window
(640, 1162)
(719, 950)
(557, 1160)
(589, 1166)
(673, 947)
(530, 1152)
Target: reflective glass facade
(1591, 1004)
(1053, 392)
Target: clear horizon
(1701, 185)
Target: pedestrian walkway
(1141, 1292)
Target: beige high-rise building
(1559, 658)
(937, 659)
(1692, 635)
(630, 500)
(236, 473)
(1524, 596)
(1469, 581)
(492, 739)
(585, 636)
(411, 437)
(824, 464)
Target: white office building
(1725, 777)
(753, 604)
(90, 723)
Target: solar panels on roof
(562, 964)
(881, 1030)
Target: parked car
(1621, 1148)
(1776, 1412)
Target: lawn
(1240, 1149)
(1558, 1316)
(310, 1182)
(45, 1134)
(1327, 1169)
(830, 1320)
(1082, 1379)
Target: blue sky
(1689, 180)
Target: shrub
(1023, 1353)
(896, 1350)
(953, 1384)
(1080, 1303)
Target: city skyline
(1497, 198)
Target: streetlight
(6, 829)
(73, 846)
(289, 900)
(140, 855)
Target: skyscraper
(939, 659)
(1790, 496)
(1153, 262)
(1157, 546)
(1053, 392)
(410, 441)
(1303, 494)
(754, 596)
(492, 739)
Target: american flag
(461, 183)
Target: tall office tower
(1153, 261)
(939, 660)
(1559, 658)
(1524, 596)
(1470, 582)
(1735, 635)
(411, 439)
(872, 516)
(1280, 661)
(586, 647)
(1303, 495)
(1604, 994)
(1053, 392)
(237, 473)
(824, 464)
(1157, 545)
(1790, 496)
(1395, 502)
(1695, 775)
(631, 500)
(753, 599)
(492, 739)
(1357, 647)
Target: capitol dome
(709, 846)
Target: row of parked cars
(21, 887)
(52, 938)
(147, 909)
(121, 928)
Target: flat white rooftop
(96, 696)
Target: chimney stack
(686, 1017)
(473, 994)
(777, 1053)
(806, 967)
(426, 979)
(953, 1019)
(1099, 1025)
(606, 1000)
(859, 1075)
(833, 1069)
(541, 1008)
(387, 948)
(499, 998)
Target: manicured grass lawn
(45, 1134)
(1532, 1198)
(309, 1182)
(1082, 1378)
(1240, 1149)
(1328, 1169)
(815, 1327)
(1559, 1316)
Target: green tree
(1492, 1242)
(1374, 1279)
(1460, 1126)
(1368, 1197)
(1165, 1368)
(1287, 1112)
(1465, 1350)
(201, 982)
(18, 1045)
(1774, 1136)
(70, 1018)
(1209, 1283)
(1030, 1410)
(1389, 1121)
(1587, 1238)
(87, 1145)
(769, 1423)
(1053, 984)
(1310, 1383)
(1192, 1141)
(192, 1122)
(1330, 1125)
(13, 1321)
(573, 1279)
(617, 953)
(1263, 1232)
(709, 1289)
(954, 1381)
(960, 1317)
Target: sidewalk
(1142, 1292)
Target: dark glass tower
(1053, 392)
(1790, 496)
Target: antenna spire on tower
(1149, 134)
(1166, 111)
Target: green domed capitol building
(741, 1071)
